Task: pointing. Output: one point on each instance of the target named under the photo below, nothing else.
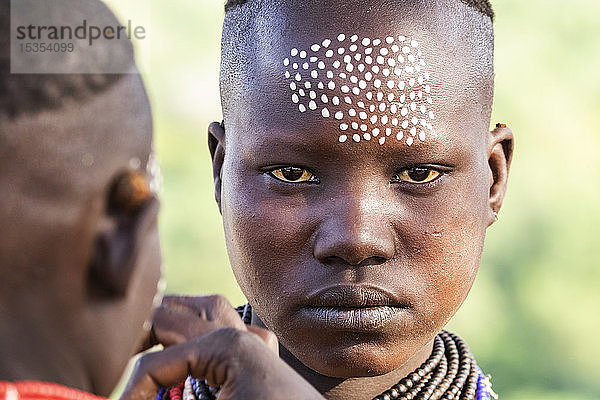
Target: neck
(33, 349)
(361, 388)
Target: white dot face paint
(383, 90)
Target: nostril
(372, 261)
(345, 261)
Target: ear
(216, 145)
(116, 249)
(500, 152)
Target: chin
(353, 361)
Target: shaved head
(32, 93)
(456, 40)
(63, 138)
(483, 6)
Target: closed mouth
(353, 307)
(354, 296)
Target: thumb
(266, 336)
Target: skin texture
(80, 275)
(355, 230)
(79, 253)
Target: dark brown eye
(418, 175)
(293, 175)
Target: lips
(353, 308)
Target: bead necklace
(450, 373)
(34, 390)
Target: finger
(266, 336)
(174, 326)
(211, 308)
(214, 357)
(148, 341)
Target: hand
(207, 340)
(181, 318)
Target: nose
(356, 232)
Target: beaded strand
(36, 390)
(450, 373)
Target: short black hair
(482, 6)
(34, 93)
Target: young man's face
(356, 250)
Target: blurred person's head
(356, 172)
(79, 253)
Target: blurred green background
(532, 319)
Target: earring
(496, 216)
(129, 192)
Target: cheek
(148, 287)
(268, 239)
(446, 254)
(450, 274)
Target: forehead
(369, 76)
(373, 88)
